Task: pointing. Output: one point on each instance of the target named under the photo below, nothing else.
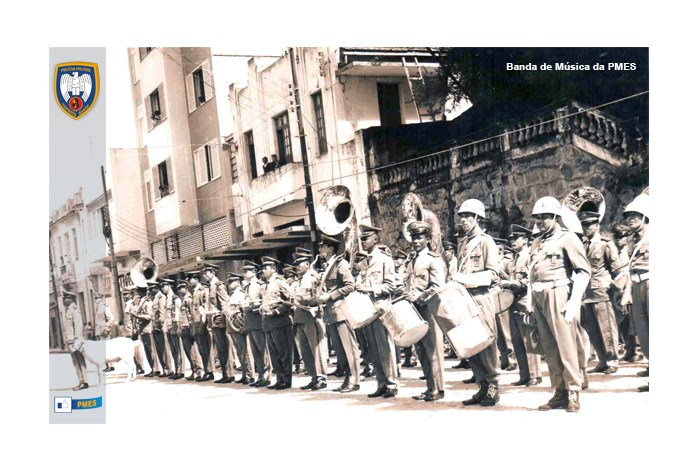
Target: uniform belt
(640, 277)
(541, 286)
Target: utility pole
(304, 154)
(55, 293)
(109, 238)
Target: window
(156, 110)
(68, 252)
(148, 189)
(207, 163)
(59, 250)
(74, 240)
(320, 122)
(250, 148)
(144, 52)
(388, 102)
(162, 177)
(281, 124)
(200, 85)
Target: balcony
(67, 273)
(385, 62)
(277, 187)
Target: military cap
(302, 257)
(193, 273)
(209, 266)
(517, 231)
(419, 227)
(329, 240)
(501, 242)
(126, 291)
(68, 294)
(448, 246)
(232, 277)
(249, 265)
(182, 284)
(588, 217)
(398, 253)
(152, 284)
(267, 260)
(168, 282)
(368, 230)
(300, 250)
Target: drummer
(379, 283)
(399, 257)
(427, 273)
(450, 260)
(478, 271)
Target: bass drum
(404, 323)
(357, 308)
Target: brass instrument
(335, 214)
(412, 210)
(586, 199)
(145, 270)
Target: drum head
(412, 336)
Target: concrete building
(184, 173)
(341, 91)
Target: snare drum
(471, 336)
(357, 308)
(451, 305)
(404, 324)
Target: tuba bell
(145, 270)
(412, 210)
(335, 215)
(586, 199)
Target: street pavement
(615, 393)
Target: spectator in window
(277, 162)
(266, 166)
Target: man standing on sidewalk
(74, 338)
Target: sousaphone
(412, 210)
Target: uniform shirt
(639, 249)
(218, 295)
(199, 301)
(518, 271)
(185, 317)
(556, 255)
(253, 319)
(169, 309)
(426, 272)
(305, 291)
(450, 268)
(147, 313)
(73, 324)
(338, 282)
(604, 261)
(272, 295)
(380, 274)
(127, 317)
(479, 253)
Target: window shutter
(148, 106)
(162, 101)
(171, 180)
(190, 88)
(200, 166)
(214, 154)
(156, 183)
(208, 79)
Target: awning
(119, 255)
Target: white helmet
(472, 206)
(640, 204)
(547, 205)
(570, 221)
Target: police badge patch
(76, 87)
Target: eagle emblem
(76, 87)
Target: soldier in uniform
(238, 338)
(289, 272)
(277, 322)
(504, 338)
(558, 262)
(145, 317)
(74, 337)
(309, 330)
(450, 260)
(399, 257)
(127, 328)
(626, 327)
(338, 282)
(200, 294)
(478, 272)
(636, 298)
(379, 284)
(159, 307)
(598, 317)
(171, 312)
(183, 318)
(253, 324)
(426, 273)
(529, 362)
(217, 300)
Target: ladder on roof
(409, 81)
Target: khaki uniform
(504, 338)
(277, 326)
(183, 318)
(338, 282)
(102, 321)
(638, 290)
(529, 362)
(380, 277)
(217, 301)
(200, 296)
(159, 305)
(253, 325)
(240, 340)
(426, 272)
(171, 316)
(310, 331)
(74, 337)
(598, 317)
(555, 257)
(479, 253)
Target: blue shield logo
(76, 87)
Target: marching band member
(200, 294)
(478, 271)
(239, 339)
(426, 273)
(171, 312)
(159, 307)
(185, 330)
(558, 262)
(253, 325)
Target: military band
(571, 289)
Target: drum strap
(476, 241)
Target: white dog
(117, 349)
